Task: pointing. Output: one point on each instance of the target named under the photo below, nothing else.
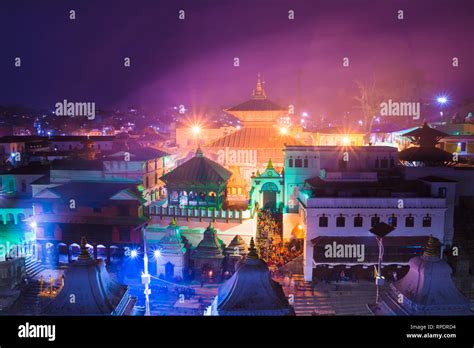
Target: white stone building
(343, 211)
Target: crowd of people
(272, 249)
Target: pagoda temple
(260, 138)
(209, 253)
(198, 182)
(234, 252)
(424, 151)
(94, 292)
(173, 253)
(427, 288)
(251, 291)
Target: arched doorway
(169, 270)
(269, 191)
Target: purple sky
(190, 62)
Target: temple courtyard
(342, 298)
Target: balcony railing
(200, 213)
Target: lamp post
(380, 230)
(442, 100)
(196, 132)
(145, 275)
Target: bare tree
(369, 99)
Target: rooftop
(391, 187)
(92, 191)
(139, 154)
(76, 164)
(199, 170)
(251, 291)
(31, 169)
(255, 138)
(95, 292)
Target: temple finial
(259, 92)
(199, 152)
(173, 222)
(432, 247)
(252, 250)
(270, 164)
(84, 255)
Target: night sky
(190, 61)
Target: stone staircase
(349, 299)
(29, 302)
(33, 267)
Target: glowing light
(283, 130)
(157, 254)
(304, 114)
(300, 227)
(133, 253)
(33, 224)
(442, 99)
(346, 141)
(360, 122)
(196, 130)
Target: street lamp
(196, 130)
(380, 230)
(442, 99)
(283, 130)
(145, 275)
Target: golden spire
(432, 247)
(270, 164)
(173, 222)
(252, 251)
(259, 92)
(199, 152)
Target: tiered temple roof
(251, 291)
(200, 171)
(210, 246)
(255, 138)
(425, 151)
(95, 293)
(172, 242)
(259, 101)
(236, 247)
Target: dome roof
(251, 291)
(95, 292)
(428, 285)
